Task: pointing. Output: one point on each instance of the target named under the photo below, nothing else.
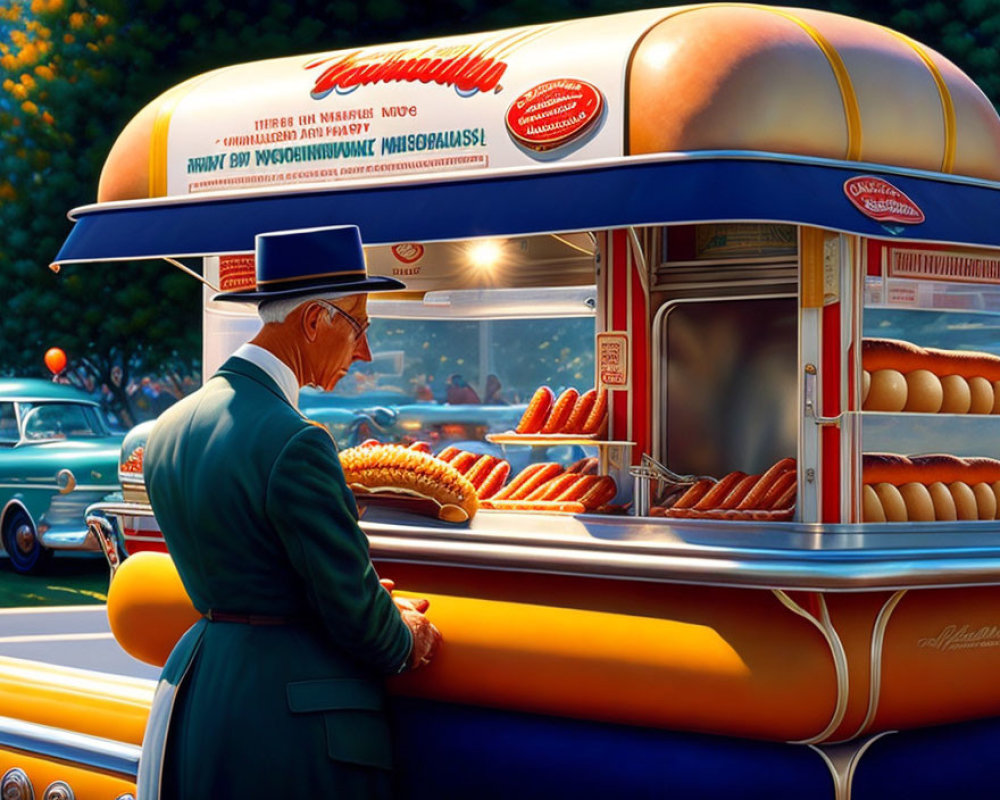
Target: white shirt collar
(275, 368)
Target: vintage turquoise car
(57, 456)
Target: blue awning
(651, 191)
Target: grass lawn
(67, 581)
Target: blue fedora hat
(308, 261)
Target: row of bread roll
(901, 376)
(923, 392)
(917, 502)
(927, 469)
(905, 357)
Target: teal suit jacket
(255, 511)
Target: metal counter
(837, 558)
(784, 555)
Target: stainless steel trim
(835, 558)
(121, 508)
(69, 540)
(860, 261)
(822, 557)
(102, 531)
(667, 286)
(848, 311)
(77, 749)
(875, 669)
(825, 627)
(810, 477)
(842, 761)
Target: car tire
(24, 548)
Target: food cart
(769, 237)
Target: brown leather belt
(248, 619)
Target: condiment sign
(613, 360)
(879, 200)
(554, 113)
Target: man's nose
(361, 350)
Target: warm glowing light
(485, 254)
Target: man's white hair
(278, 310)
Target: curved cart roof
(737, 92)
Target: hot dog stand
(784, 252)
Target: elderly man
(277, 692)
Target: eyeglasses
(359, 329)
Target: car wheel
(20, 540)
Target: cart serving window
(701, 302)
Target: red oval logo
(554, 113)
(881, 201)
(408, 252)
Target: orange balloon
(55, 360)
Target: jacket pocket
(354, 715)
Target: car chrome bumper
(78, 749)
(76, 539)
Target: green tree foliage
(73, 72)
(65, 80)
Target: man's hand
(426, 637)
(421, 604)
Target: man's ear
(310, 321)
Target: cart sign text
(937, 265)
(237, 272)
(554, 113)
(881, 201)
(468, 68)
(613, 360)
(966, 637)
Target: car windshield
(60, 421)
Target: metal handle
(811, 402)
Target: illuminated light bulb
(485, 255)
